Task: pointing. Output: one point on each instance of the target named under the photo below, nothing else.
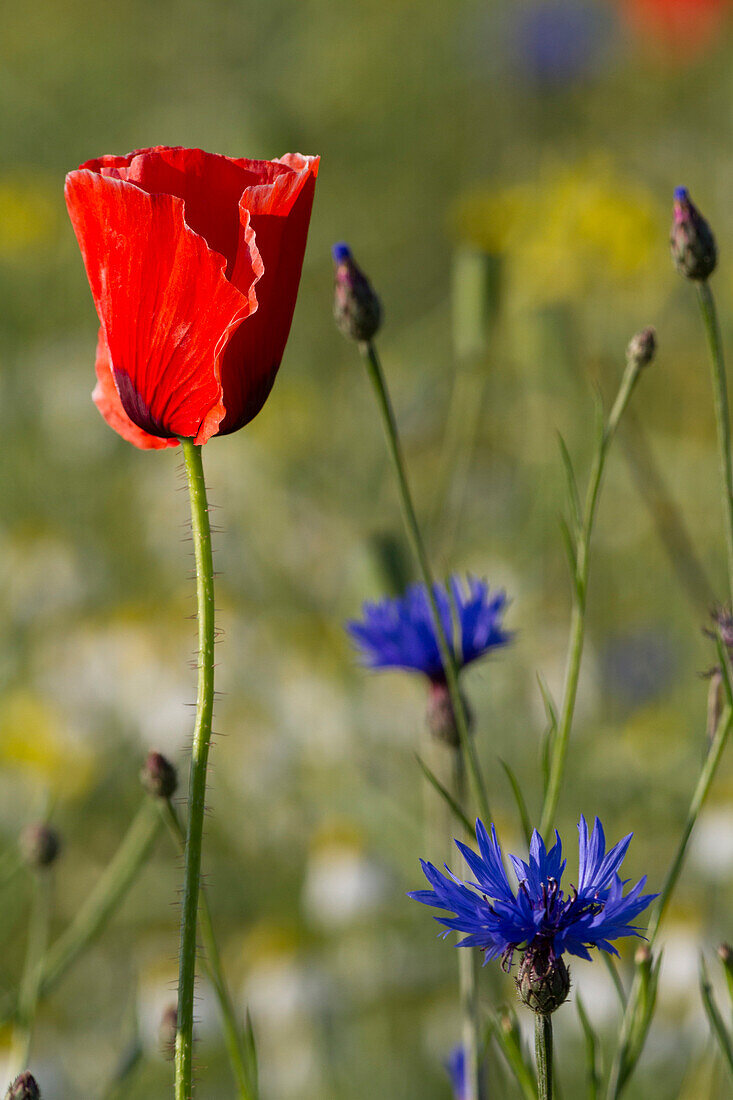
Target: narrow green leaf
(592, 1050)
(445, 794)
(251, 1049)
(519, 799)
(570, 553)
(571, 484)
(509, 1042)
(549, 734)
(550, 707)
(615, 977)
(714, 1018)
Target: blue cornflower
(399, 632)
(455, 1065)
(540, 919)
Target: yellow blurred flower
(576, 227)
(34, 738)
(29, 216)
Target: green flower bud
(39, 845)
(440, 716)
(694, 251)
(543, 980)
(642, 348)
(158, 776)
(24, 1087)
(356, 308)
(167, 1029)
(725, 954)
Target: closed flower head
(194, 262)
(539, 919)
(356, 308)
(24, 1087)
(694, 251)
(40, 845)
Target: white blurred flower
(712, 843)
(342, 884)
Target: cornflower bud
(159, 776)
(440, 716)
(694, 251)
(39, 845)
(642, 348)
(167, 1029)
(24, 1087)
(725, 954)
(356, 308)
(543, 980)
(642, 955)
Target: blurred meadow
(503, 171)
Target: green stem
(212, 965)
(104, 899)
(620, 1070)
(28, 995)
(580, 591)
(414, 535)
(543, 1053)
(467, 977)
(722, 415)
(199, 760)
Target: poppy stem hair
(199, 760)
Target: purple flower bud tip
(681, 194)
(341, 252)
(24, 1087)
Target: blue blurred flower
(399, 632)
(556, 41)
(540, 917)
(455, 1065)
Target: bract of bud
(158, 776)
(24, 1087)
(694, 251)
(39, 845)
(356, 308)
(543, 979)
(642, 347)
(440, 716)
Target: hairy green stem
(414, 535)
(722, 415)
(199, 760)
(104, 899)
(543, 1054)
(620, 1071)
(580, 591)
(212, 964)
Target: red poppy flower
(684, 27)
(194, 262)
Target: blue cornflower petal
(455, 1067)
(490, 915)
(400, 633)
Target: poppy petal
(280, 210)
(107, 400)
(163, 300)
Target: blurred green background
(547, 137)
